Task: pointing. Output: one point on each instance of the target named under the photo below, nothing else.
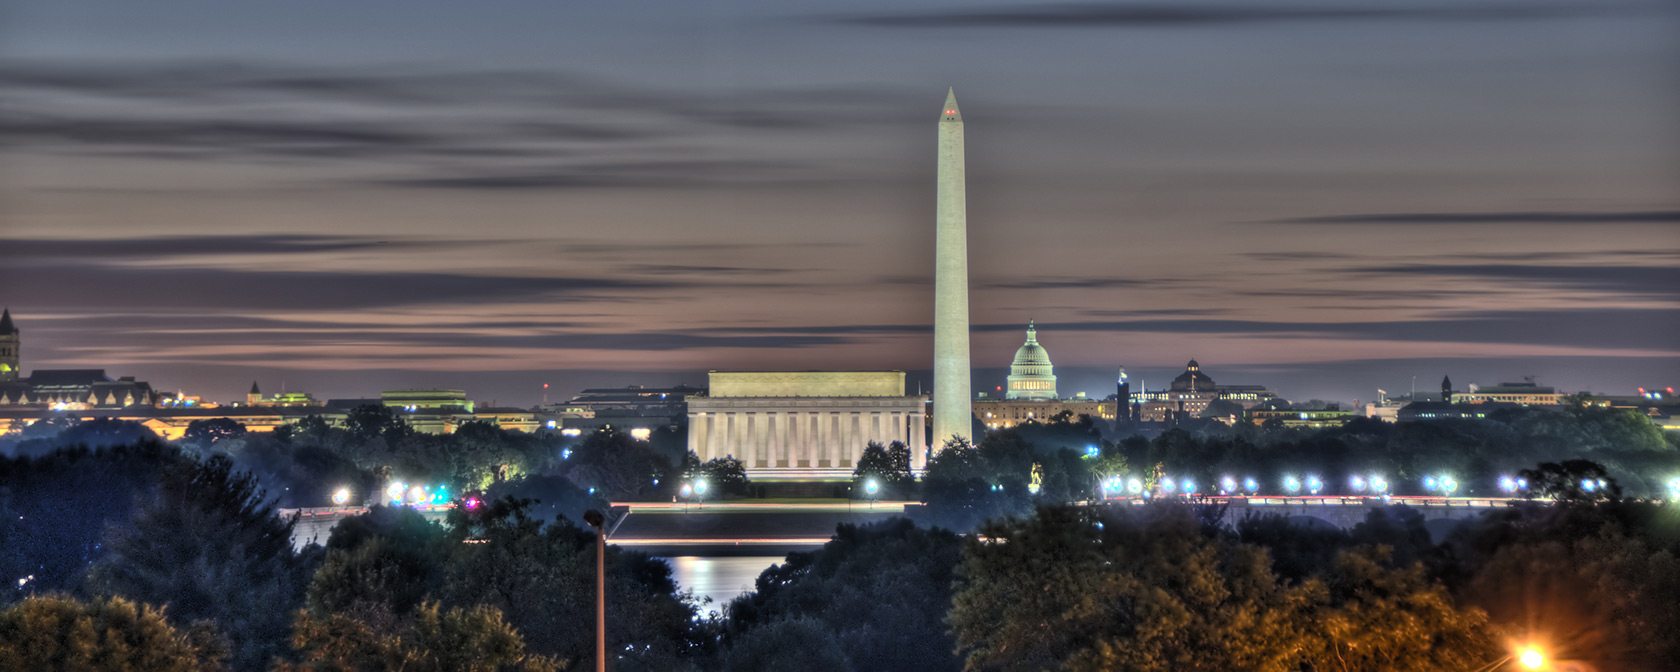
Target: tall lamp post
(595, 518)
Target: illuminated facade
(1006, 413)
(1031, 375)
(1190, 395)
(804, 425)
(1526, 393)
(9, 342)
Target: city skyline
(1310, 200)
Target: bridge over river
(750, 528)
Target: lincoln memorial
(804, 425)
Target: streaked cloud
(1181, 15)
(1529, 217)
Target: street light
(1531, 659)
(1356, 483)
(1188, 487)
(1292, 484)
(1134, 485)
(1507, 484)
(595, 518)
(700, 492)
(871, 487)
(1251, 485)
(341, 496)
(1379, 484)
(1227, 485)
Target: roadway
(777, 527)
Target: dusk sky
(1326, 197)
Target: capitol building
(1032, 376)
(1032, 393)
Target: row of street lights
(1359, 484)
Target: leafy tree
(889, 466)
(550, 496)
(57, 632)
(210, 546)
(881, 590)
(1149, 588)
(541, 577)
(1145, 591)
(311, 429)
(619, 467)
(1373, 616)
(789, 644)
(724, 476)
(1594, 580)
(381, 574)
(432, 640)
(54, 509)
(204, 433)
(298, 474)
(961, 492)
(45, 436)
(1571, 481)
(369, 421)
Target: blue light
(1227, 484)
(1356, 483)
(1251, 485)
(1292, 484)
(1091, 451)
(1189, 486)
(1314, 485)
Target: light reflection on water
(718, 578)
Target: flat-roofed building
(1006, 413)
(1527, 393)
(804, 425)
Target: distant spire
(254, 389)
(1032, 333)
(951, 111)
(6, 326)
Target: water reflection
(718, 578)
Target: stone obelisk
(952, 406)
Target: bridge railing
(1326, 500)
(310, 512)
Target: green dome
(1032, 376)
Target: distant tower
(255, 395)
(1446, 389)
(9, 340)
(953, 410)
(1123, 399)
(1031, 376)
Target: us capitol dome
(1032, 376)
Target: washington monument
(952, 409)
